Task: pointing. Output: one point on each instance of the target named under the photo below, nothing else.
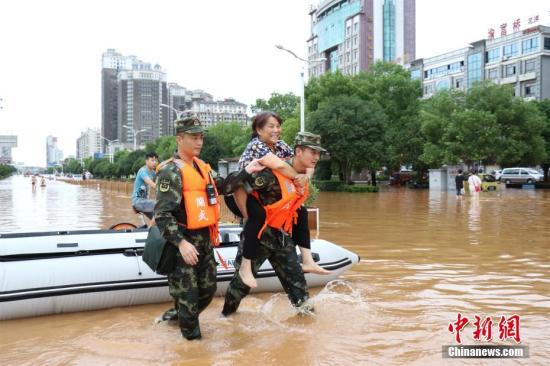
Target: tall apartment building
(54, 156)
(7, 142)
(132, 91)
(89, 144)
(520, 58)
(352, 34)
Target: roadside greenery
(378, 119)
(6, 171)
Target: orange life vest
(199, 213)
(282, 214)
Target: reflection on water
(418, 269)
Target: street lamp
(135, 133)
(178, 113)
(302, 86)
(111, 158)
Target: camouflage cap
(310, 140)
(190, 124)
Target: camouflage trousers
(193, 287)
(280, 250)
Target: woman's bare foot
(312, 267)
(245, 272)
(309, 265)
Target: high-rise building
(132, 92)
(7, 142)
(141, 91)
(520, 58)
(54, 155)
(350, 35)
(89, 144)
(181, 99)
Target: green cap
(189, 124)
(310, 140)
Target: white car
(520, 175)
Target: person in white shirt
(474, 183)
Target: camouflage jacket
(170, 215)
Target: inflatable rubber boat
(58, 272)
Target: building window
(355, 27)
(510, 50)
(510, 70)
(474, 68)
(529, 90)
(354, 55)
(389, 30)
(415, 74)
(530, 65)
(547, 43)
(348, 28)
(459, 83)
(492, 74)
(493, 55)
(428, 89)
(530, 45)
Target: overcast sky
(50, 52)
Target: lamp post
(302, 86)
(135, 133)
(111, 157)
(179, 114)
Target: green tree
(391, 86)
(326, 86)
(352, 131)
(212, 150)
(230, 137)
(544, 107)
(487, 124)
(283, 104)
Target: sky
(50, 52)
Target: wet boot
(170, 315)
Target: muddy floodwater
(425, 257)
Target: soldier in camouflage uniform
(192, 284)
(275, 246)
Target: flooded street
(425, 257)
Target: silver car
(520, 175)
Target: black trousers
(256, 219)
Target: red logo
(507, 328)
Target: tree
(326, 86)
(283, 104)
(212, 150)
(487, 124)
(544, 107)
(352, 132)
(390, 85)
(230, 137)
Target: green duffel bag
(158, 254)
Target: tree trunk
(373, 177)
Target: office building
(350, 35)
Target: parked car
(520, 175)
(488, 182)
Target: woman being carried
(272, 153)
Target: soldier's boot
(190, 329)
(170, 315)
(229, 307)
